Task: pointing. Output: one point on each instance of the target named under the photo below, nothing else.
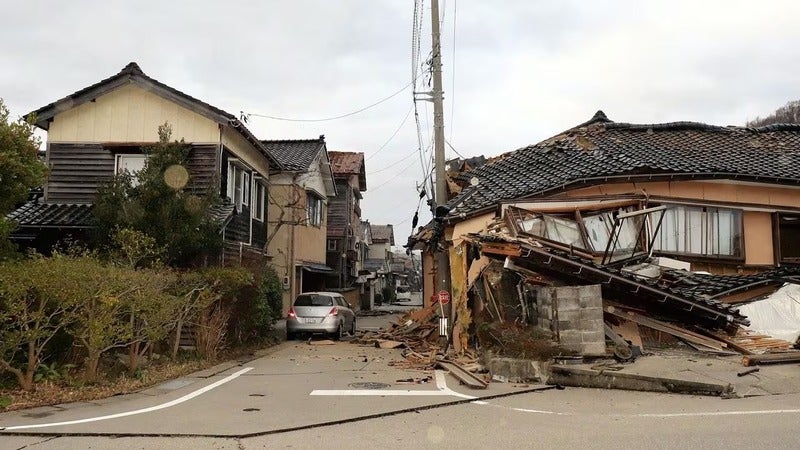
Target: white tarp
(777, 315)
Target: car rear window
(313, 300)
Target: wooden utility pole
(442, 257)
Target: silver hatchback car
(320, 312)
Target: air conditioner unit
(286, 283)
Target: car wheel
(353, 327)
(337, 335)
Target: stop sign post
(444, 298)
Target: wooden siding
(77, 171)
(202, 166)
(339, 212)
(259, 234)
(238, 228)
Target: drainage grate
(369, 385)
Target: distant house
(100, 130)
(298, 209)
(380, 256)
(344, 217)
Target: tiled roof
(51, 215)
(349, 163)
(133, 71)
(382, 233)
(346, 163)
(593, 152)
(222, 213)
(62, 215)
(698, 285)
(295, 155)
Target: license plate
(309, 320)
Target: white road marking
(441, 390)
(722, 413)
(177, 401)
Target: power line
(342, 116)
(393, 134)
(392, 178)
(394, 163)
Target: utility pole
(442, 257)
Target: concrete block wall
(575, 316)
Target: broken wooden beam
(461, 374)
(771, 358)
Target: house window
(789, 237)
(313, 209)
(332, 245)
(259, 195)
(130, 163)
(713, 232)
(238, 186)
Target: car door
(348, 313)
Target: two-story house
(101, 129)
(380, 257)
(344, 216)
(298, 206)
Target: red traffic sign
(444, 297)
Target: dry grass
(54, 393)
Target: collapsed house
(632, 232)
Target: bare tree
(789, 113)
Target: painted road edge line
(441, 390)
(177, 401)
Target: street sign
(444, 297)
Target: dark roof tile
(600, 148)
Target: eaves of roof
(132, 73)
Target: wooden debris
(388, 344)
(702, 342)
(462, 375)
(771, 358)
(748, 371)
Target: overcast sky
(515, 72)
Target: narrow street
(349, 396)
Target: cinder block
(591, 325)
(593, 348)
(570, 337)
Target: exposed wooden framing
(500, 248)
(771, 358)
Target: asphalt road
(348, 396)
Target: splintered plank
(461, 374)
(771, 358)
(678, 332)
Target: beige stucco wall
(245, 151)
(758, 247)
(735, 192)
(130, 114)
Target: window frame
(314, 209)
(118, 163)
(708, 225)
(242, 186)
(334, 247)
(259, 191)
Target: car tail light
(334, 312)
(291, 315)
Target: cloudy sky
(515, 72)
